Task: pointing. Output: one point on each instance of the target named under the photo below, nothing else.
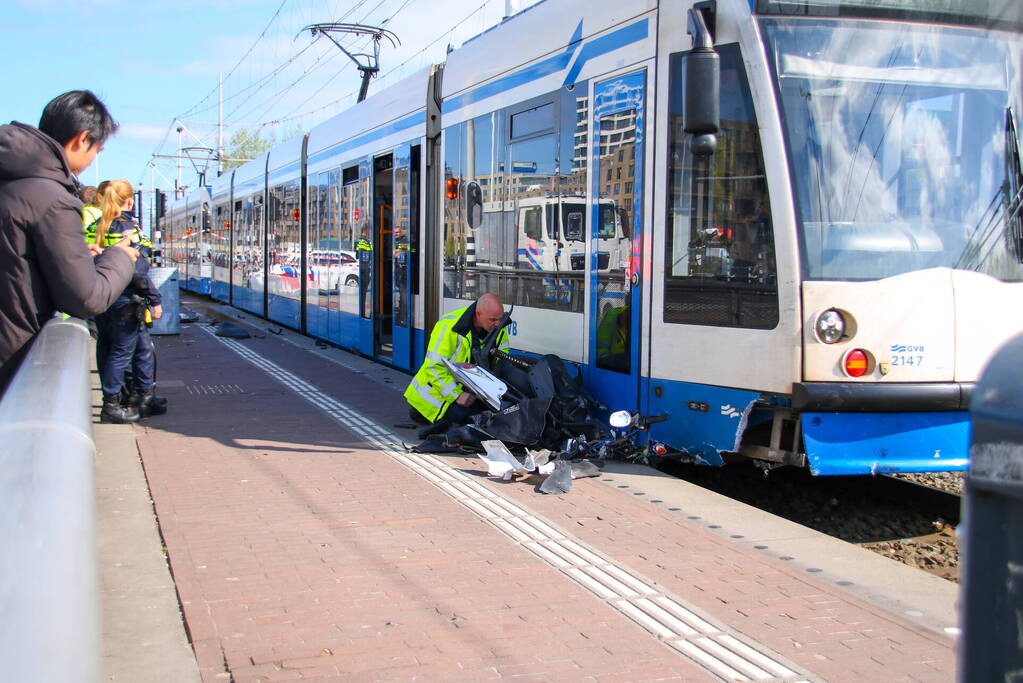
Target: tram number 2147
(907, 355)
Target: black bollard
(991, 593)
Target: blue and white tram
(185, 240)
(218, 237)
(822, 290)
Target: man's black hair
(69, 114)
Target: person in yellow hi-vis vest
(613, 339)
(433, 393)
(91, 215)
(123, 332)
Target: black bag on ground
(521, 423)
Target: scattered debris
(500, 461)
(560, 480)
(187, 315)
(557, 474)
(583, 468)
(229, 329)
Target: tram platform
(306, 543)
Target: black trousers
(126, 344)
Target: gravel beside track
(946, 481)
(855, 509)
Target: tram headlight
(830, 326)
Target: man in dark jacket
(45, 265)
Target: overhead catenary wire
(329, 56)
(272, 100)
(251, 107)
(243, 57)
(265, 77)
(195, 109)
(352, 94)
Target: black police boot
(115, 413)
(148, 403)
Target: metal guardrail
(49, 591)
(991, 594)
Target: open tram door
(616, 240)
(382, 264)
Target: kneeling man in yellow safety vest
(433, 393)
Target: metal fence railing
(49, 593)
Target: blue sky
(153, 61)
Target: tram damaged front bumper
(852, 428)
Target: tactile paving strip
(718, 649)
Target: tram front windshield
(896, 135)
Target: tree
(247, 143)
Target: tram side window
(456, 229)
(484, 149)
(529, 161)
(719, 251)
(221, 241)
(249, 251)
(284, 241)
(275, 230)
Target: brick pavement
(301, 553)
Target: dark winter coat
(45, 265)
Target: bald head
(488, 312)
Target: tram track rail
(944, 503)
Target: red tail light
(856, 363)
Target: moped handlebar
(647, 420)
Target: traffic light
(161, 204)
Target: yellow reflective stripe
(424, 393)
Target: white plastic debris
(500, 461)
(536, 459)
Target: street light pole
(177, 184)
(220, 128)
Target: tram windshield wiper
(1013, 186)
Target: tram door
(383, 263)
(616, 240)
(404, 221)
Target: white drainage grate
(213, 389)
